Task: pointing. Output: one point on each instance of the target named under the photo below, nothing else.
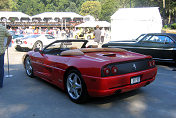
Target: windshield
(31, 36)
(70, 45)
(57, 47)
(140, 37)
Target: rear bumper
(106, 86)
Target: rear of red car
(123, 73)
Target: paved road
(23, 97)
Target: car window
(49, 37)
(168, 40)
(157, 39)
(146, 38)
(161, 39)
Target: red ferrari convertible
(95, 72)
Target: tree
(31, 7)
(72, 8)
(91, 8)
(4, 5)
(108, 8)
(13, 5)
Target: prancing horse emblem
(134, 66)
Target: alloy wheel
(74, 86)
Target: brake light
(151, 63)
(106, 71)
(25, 42)
(114, 69)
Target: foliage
(72, 8)
(173, 26)
(108, 8)
(165, 27)
(31, 7)
(4, 5)
(91, 8)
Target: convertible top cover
(77, 52)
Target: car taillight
(151, 63)
(106, 71)
(110, 70)
(12, 41)
(25, 42)
(114, 70)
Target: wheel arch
(66, 73)
(24, 58)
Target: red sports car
(95, 72)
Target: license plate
(135, 80)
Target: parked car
(84, 72)
(84, 35)
(161, 46)
(34, 41)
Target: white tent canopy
(94, 24)
(58, 15)
(129, 23)
(8, 14)
(88, 18)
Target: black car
(161, 46)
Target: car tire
(28, 67)
(38, 44)
(76, 87)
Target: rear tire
(28, 67)
(76, 87)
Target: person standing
(102, 35)
(4, 43)
(97, 34)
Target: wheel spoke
(70, 90)
(76, 93)
(75, 78)
(70, 81)
(78, 86)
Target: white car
(34, 41)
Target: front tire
(38, 44)
(28, 67)
(76, 88)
